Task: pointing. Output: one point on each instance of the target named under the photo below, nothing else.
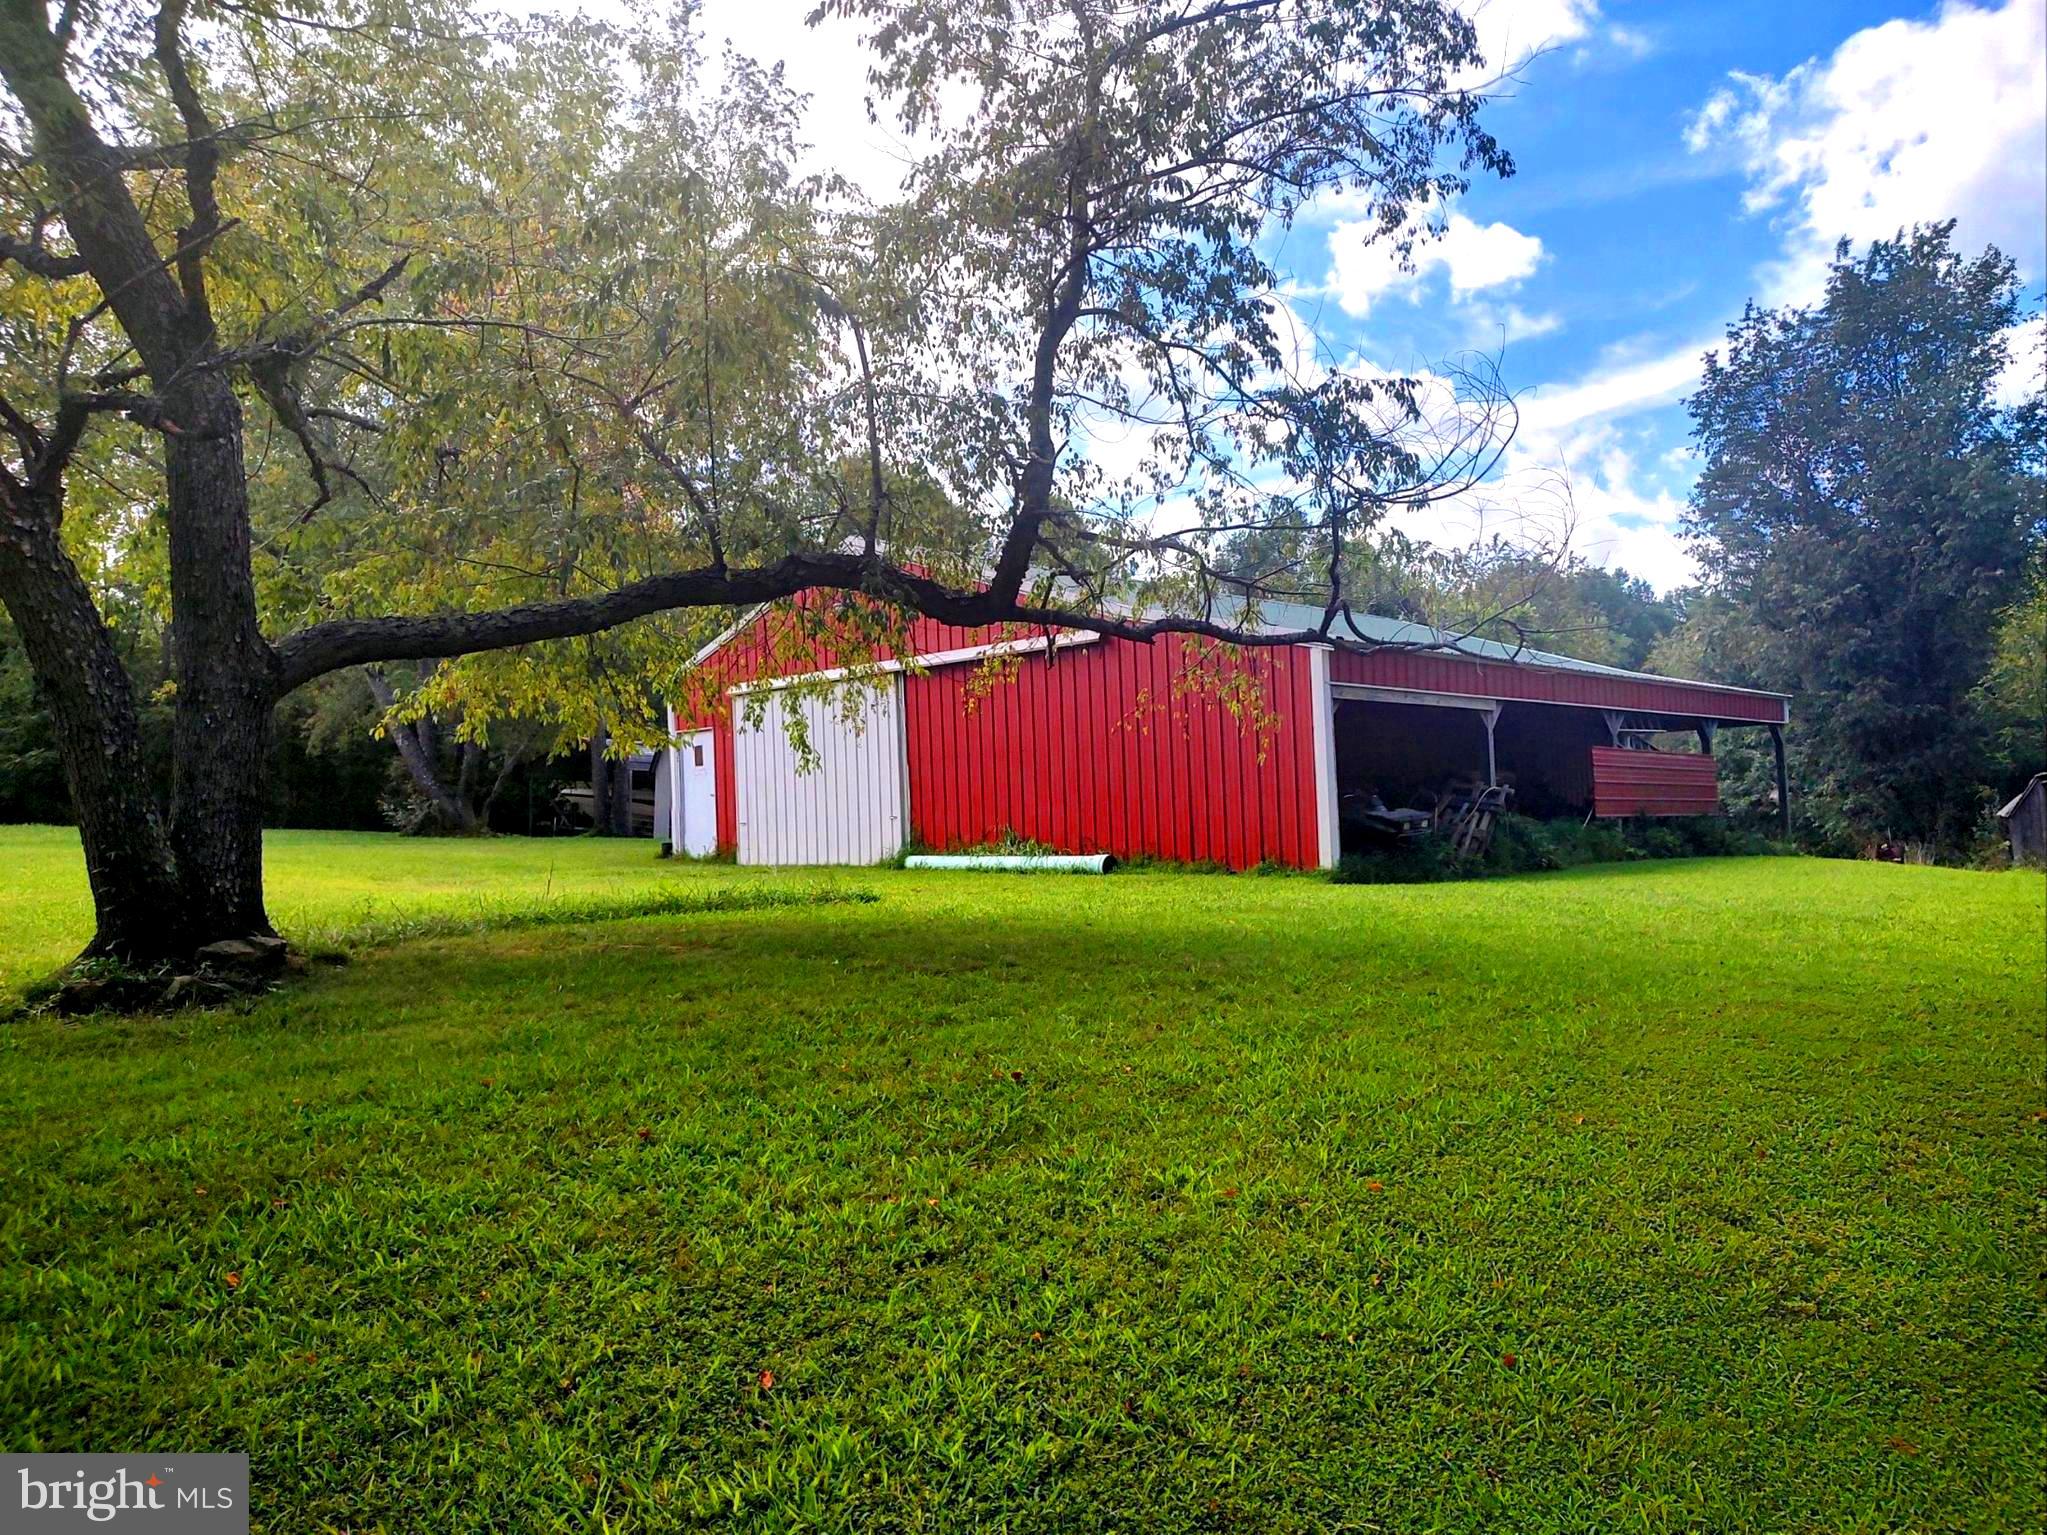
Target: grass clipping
(381, 929)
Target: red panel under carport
(1653, 783)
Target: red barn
(1179, 749)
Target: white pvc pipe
(1024, 863)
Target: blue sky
(1673, 161)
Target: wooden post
(1706, 732)
(1783, 783)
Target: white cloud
(1477, 257)
(2025, 370)
(1622, 526)
(1618, 391)
(1511, 32)
(1517, 324)
(1581, 490)
(1492, 326)
(829, 64)
(1632, 41)
(1905, 123)
(1573, 475)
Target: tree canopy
(1867, 509)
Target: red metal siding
(1423, 671)
(1092, 752)
(1653, 783)
(727, 781)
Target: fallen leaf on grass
(1903, 1446)
(1509, 1360)
(234, 1280)
(767, 1380)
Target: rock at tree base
(251, 956)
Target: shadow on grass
(334, 944)
(379, 931)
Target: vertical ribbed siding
(1092, 752)
(728, 781)
(847, 808)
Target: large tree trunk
(162, 886)
(223, 668)
(137, 900)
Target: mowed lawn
(1686, 1196)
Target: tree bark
(621, 776)
(600, 782)
(129, 864)
(222, 665)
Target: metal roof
(2019, 798)
(1372, 629)
(1365, 629)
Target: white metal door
(696, 797)
(851, 805)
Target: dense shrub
(1521, 845)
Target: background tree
(396, 333)
(1866, 510)
(2011, 701)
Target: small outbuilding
(1180, 748)
(2025, 822)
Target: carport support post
(1322, 704)
(1706, 731)
(674, 780)
(1492, 763)
(1783, 783)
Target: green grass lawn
(1686, 1196)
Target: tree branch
(30, 256)
(201, 161)
(326, 647)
